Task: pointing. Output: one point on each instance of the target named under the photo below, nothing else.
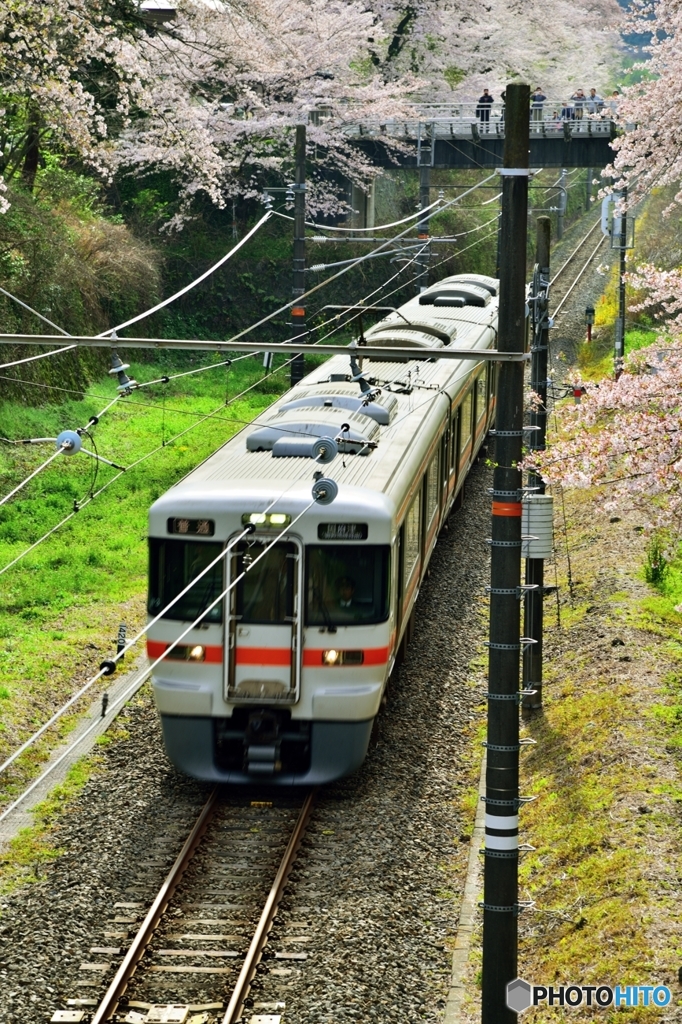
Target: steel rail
(260, 937)
(577, 249)
(109, 1004)
(582, 271)
(107, 1008)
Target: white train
(283, 678)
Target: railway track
(196, 951)
(583, 253)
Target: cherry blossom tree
(627, 433)
(208, 96)
(648, 153)
(461, 47)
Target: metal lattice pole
(620, 322)
(500, 892)
(535, 567)
(298, 312)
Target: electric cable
(279, 368)
(35, 472)
(105, 670)
(34, 311)
(143, 458)
(377, 227)
(193, 284)
(43, 355)
(308, 292)
(121, 700)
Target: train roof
(393, 431)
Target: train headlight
(267, 520)
(196, 653)
(334, 657)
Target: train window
(412, 535)
(347, 584)
(433, 487)
(175, 563)
(266, 592)
(465, 422)
(480, 396)
(453, 442)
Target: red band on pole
(507, 508)
(298, 311)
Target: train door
(445, 465)
(481, 404)
(465, 431)
(263, 622)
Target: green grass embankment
(61, 604)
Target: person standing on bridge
(483, 109)
(536, 100)
(595, 104)
(579, 100)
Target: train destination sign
(197, 527)
(342, 531)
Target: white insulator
(537, 524)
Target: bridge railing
(472, 120)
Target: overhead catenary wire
(192, 284)
(138, 682)
(34, 311)
(378, 227)
(186, 412)
(42, 355)
(131, 643)
(143, 458)
(169, 648)
(35, 472)
(307, 293)
(140, 316)
(50, 532)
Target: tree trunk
(32, 155)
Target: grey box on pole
(537, 526)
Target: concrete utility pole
(535, 567)
(298, 312)
(500, 892)
(588, 189)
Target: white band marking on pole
(491, 821)
(501, 842)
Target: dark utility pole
(500, 892)
(535, 567)
(563, 197)
(298, 312)
(619, 352)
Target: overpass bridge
(464, 137)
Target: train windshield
(265, 593)
(347, 584)
(175, 563)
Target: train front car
(281, 680)
(294, 609)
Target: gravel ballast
(380, 874)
